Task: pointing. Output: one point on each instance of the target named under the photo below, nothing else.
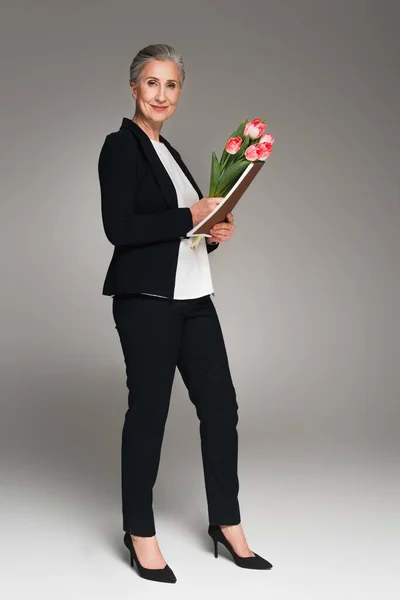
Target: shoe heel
(163, 575)
(247, 562)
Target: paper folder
(229, 202)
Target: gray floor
(323, 509)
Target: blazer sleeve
(212, 247)
(118, 175)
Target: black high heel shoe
(247, 562)
(165, 575)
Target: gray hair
(155, 52)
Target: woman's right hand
(201, 209)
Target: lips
(158, 107)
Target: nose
(161, 94)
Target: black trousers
(158, 334)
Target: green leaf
(231, 175)
(215, 174)
(245, 144)
(223, 156)
(240, 130)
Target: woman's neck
(152, 132)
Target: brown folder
(230, 200)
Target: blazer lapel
(159, 171)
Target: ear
(134, 91)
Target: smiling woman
(156, 91)
(164, 314)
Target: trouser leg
(149, 331)
(203, 364)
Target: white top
(193, 275)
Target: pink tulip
(259, 151)
(251, 153)
(267, 137)
(233, 145)
(264, 149)
(254, 128)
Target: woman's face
(158, 87)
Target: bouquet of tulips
(247, 144)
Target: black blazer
(140, 213)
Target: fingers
(222, 232)
(218, 227)
(224, 229)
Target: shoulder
(119, 148)
(120, 141)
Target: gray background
(307, 292)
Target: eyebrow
(174, 80)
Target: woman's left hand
(222, 232)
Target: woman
(164, 313)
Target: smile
(160, 108)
